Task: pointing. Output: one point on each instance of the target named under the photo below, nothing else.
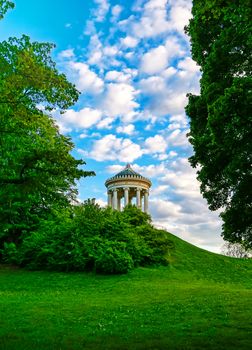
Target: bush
(89, 238)
(113, 258)
(10, 253)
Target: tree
(37, 171)
(220, 117)
(236, 250)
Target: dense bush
(90, 238)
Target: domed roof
(127, 172)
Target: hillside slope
(200, 301)
(201, 263)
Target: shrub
(113, 258)
(89, 238)
(10, 253)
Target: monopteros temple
(129, 186)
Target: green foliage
(220, 118)
(90, 238)
(37, 171)
(5, 5)
(9, 253)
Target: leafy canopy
(220, 117)
(37, 171)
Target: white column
(115, 199)
(119, 203)
(109, 199)
(126, 196)
(146, 201)
(138, 202)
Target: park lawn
(200, 301)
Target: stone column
(138, 196)
(109, 199)
(126, 196)
(115, 201)
(146, 201)
(119, 203)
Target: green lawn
(201, 301)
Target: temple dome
(128, 185)
(127, 172)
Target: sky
(131, 62)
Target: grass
(201, 301)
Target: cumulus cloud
(157, 59)
(84, 78)
(101, 11)
(190, 218)
(119, 99)
(165, 93)
(156, 144)
(119, 76)
(178, 138)
(179, 15)
(129, 41)
(82, 119)
(157, 17)
(116, 10)
(69, 53)
(112, 148)
(126, 129)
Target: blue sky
(131, 61)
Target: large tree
(37, 171)
(220, 117)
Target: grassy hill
(200, 301)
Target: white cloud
(117, 76)
(153, 20)
(129, 42)
(157, 59)
(95, 50)
(178, 138)
(69, 53)
(116, 11)
(85, 79)
(151, 170)
(188, 65)
(110, 50)
(178, 121)
(82, 119)
(157, 17)
(101, 11)
(127, 129)
(180, 13)
(112, 148)
(105, 123)
(156, 144)
(153, 85)
(162, 209)
(119, 99)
